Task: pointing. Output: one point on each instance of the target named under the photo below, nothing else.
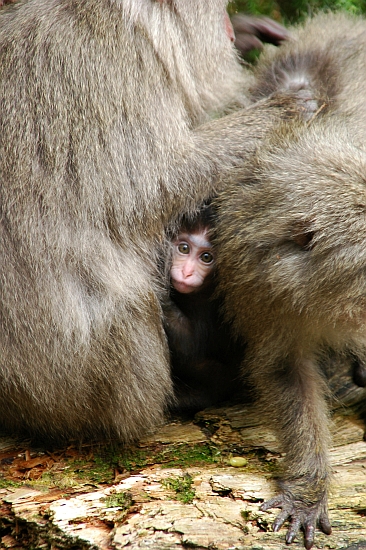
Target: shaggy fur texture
(291, 252)
(105, 138)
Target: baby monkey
(205, 358)
(193, 257)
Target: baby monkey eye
(183, 248)
(206, 257)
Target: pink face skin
(193, 262)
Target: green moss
(134, 459)
(119, 500)
(5, 483)
(245, 514)
(169, 456)
(182, 486)
(184, 455)
(95, 471)
(101, 465)
(61, 479)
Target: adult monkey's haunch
(291, 253)
(104, 138)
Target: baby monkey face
(193, 262)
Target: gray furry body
(291, 252)
(105, 139)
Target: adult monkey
(104, 138)
(291, 254)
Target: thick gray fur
(106, 136)
(291, 252)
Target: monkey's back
(326, 55)
(99, 100)
(291, 236)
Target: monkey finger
(270, 31)
(280, 520)
(309, 535)
(293, 530)
(324, 524)
(275, 502)
(247, 42)
(265, 28)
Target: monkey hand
(300, 103)
(303, 515)
(251, 31)
(177, 326)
